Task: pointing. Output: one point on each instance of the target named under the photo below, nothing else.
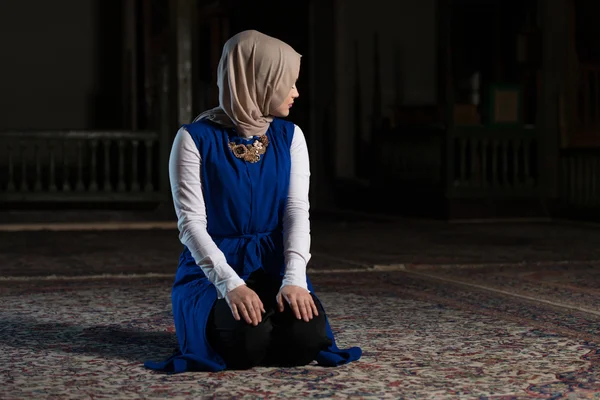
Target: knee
(300, 342)
(309, 335)
(255, 338)
(248, 345)
(240, 344)
(312, 334)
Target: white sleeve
(188, 199)
(296, 221)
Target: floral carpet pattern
(423, 334)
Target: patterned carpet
(505, 333)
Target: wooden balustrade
(580, 178)
(490, 162)
(79, 165)
(469, 162)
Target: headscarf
(255, 75)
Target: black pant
(280, 339)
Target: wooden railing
(486, 162)
(580, 162)
(580, 178)
(80, 166)
(465, 162)
(89, 166)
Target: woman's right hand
(244, 302)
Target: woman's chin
(281, 113)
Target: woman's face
(284, 109)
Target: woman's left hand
(300, 301)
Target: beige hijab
(255, 75)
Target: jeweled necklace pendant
(250, 152)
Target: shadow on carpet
(424, 335)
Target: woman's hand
(245, 302)
(300, 300)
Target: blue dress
(245, 203)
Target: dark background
(399, 102)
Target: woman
(240, 178)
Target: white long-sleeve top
(186, 186)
